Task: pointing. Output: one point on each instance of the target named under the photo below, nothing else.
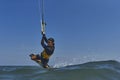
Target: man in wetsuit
(47, 52)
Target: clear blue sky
(80, 28)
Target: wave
(97, 70)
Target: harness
(45, 55)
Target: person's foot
(46, 66)
(33, 56)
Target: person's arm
(42, 43)
(44, 37)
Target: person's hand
(43, 33)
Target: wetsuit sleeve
(42, 43)
(44, 37)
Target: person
(46, 53)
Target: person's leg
(38, 58)
(35, 57)
(45, 63)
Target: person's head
(50, 42)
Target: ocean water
(99, 70)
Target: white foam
(66, 61)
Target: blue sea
(98, 70)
